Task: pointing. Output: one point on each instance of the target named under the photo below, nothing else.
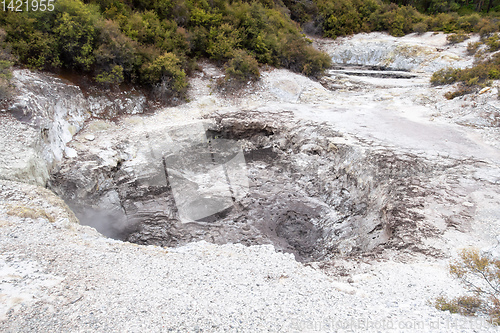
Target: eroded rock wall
(43, 115)
(309, 193)
(426, 53)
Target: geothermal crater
(302, 188)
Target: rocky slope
(43, 116)
(369, 176)
(425, 53)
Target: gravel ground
(62, 277)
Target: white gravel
(63, 277)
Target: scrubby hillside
(156, 43)
(333, 18)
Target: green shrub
(75, 31)
(198, 41)
(486, 27)
(457, 38)
(303, 58)
(494, 74)
(444, 76)
(448, 22)
(222, 41)
(165, 69)
(341, 18)
(464, 305)
(471, 78)
(32, 47)
(397, 20)
(301, 11)
(200, 17)
(420, 27)
(242, 67)
(481, 276)
(468, 23)
(472, 47)
(115, 49)
(345, 17)
(112, 77)
(493, 43)
(443, 304)
(403, 21)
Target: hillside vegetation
(155, 43)
(333, 18)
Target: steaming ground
(61, 276)
(64, 277)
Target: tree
(242, 67)
(75, 32)
(165, 72)
(115, 49)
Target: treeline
(443, 6)
(156, 43)
(332, 18)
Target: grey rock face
(20, 152)
(306, 194)
(408, 53)
(43, 116)
(104, 106)
(52, 106)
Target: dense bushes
(442, 6)
(398, 21)
(457, 38)
(464, 305)
(76, 36)
(242, 67)
(343, 17)
(154, 42)
(302, 58)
